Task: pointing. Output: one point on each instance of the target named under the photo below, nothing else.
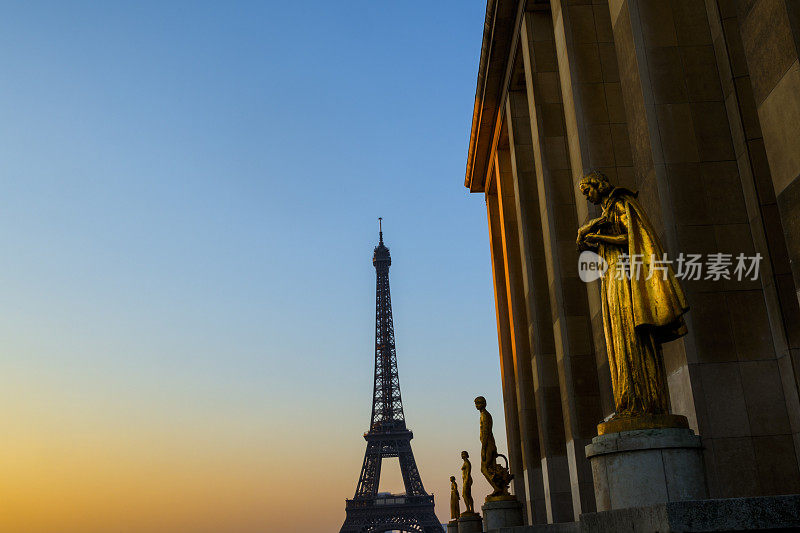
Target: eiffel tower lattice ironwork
(370, 511)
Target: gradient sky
(187, 215)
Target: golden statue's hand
(584, 243)
(589, 228)
(581, 237)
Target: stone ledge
(729, 515)
(643, 439)
(564, 527)
(775, 513)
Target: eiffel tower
(369, 511)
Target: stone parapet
(769, 513)
(564, 527)
(775, 513)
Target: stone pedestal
(646, 467)
(503, 513)
(452, 526)
(469, 524)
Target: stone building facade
(695, 104)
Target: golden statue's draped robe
(638, 313)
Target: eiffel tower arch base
(412, 515)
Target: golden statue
(455, 508)
(642, 304)
(466, 485)
(497, 475)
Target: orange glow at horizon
(64, 474)
(159, 483)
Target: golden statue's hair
(597, 179)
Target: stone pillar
(596, 131)
(595, 124)
(507, 370)
(577, 362)
(555, 467)
(724, 375)
(770, 31)
(517, 310)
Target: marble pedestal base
(504, 513)
(469, 524)
(646, 467)
(452, 526)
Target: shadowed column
(555, 467)
(770, 31)
(518, 320)
(507, 371)
(577, 362)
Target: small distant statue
(455, 507)
(642, 301)
(466, 485)
(497, 475)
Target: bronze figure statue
(497, 475)
(455, 507)
(642, 304)
(466, 485)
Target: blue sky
(189, 204)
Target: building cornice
(500, 35)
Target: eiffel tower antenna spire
(388, 435)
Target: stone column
(587, 79)
(518, 320)
(770, 31)
(555, 467)
(507, 370)
(570, 311)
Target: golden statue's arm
(617, 240)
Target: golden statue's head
(465, 455)
(480, 403)
(595, 186)
(452, 478)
